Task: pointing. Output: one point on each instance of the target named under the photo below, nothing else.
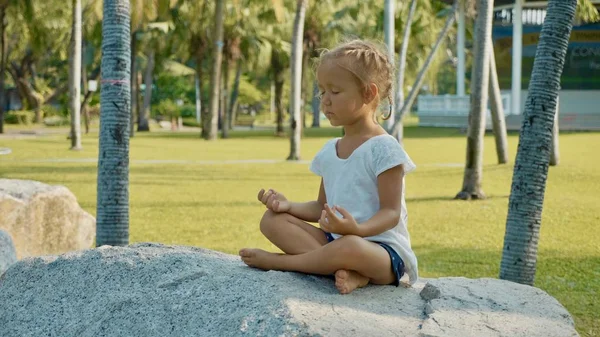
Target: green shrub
(21, 117)
(188, 110)
(167, 108)
(191, 122)
(52, 111)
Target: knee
(350, 246)
(268, 221)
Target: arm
(389, 185)
(309, 211)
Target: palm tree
(112, 226)
(397, 130)
(91, 31)
(39, 37)
(150, 22)
(193, 24)
(235, 31)
(249, 50)
(389, 20)
(319, 30)
(233, 101)
(498, 120)
(144, 116)
(402, 68)
(209, 129)
(274, 41)
(243, 47)
(471, 188)
(280, 60)
(297, 38)
(75, 77)
(519, 254)
(141, 14)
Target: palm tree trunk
(199, 76)
(75, 77)
(389, 16)
(402, 69)
(272, 96)
(412, 96)
(211, 123)
(84, 88)
(37, 106)
(224, 101)
(144, 117)
(498, 120)
(233, 105)
(526, 200)
(297, 38)
(88, 95)
(316, 106)
(554, 152)
(112, 224)
(138, 96)
(303, 92)
(480, 77)
(279, 80)
(3, 64)
(133, 84)
(198, 99)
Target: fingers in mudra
(324, 222)
(261, 194)
(272, 200)
(266, 196)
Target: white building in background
(516, 29)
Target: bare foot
(257, 258)
(348, 280)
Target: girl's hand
(274, 201)
(331, 223)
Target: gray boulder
(155, 290)
(8, 255)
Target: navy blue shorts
(397, 263)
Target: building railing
(453, 105)
(452, 110)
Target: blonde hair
(368, 62)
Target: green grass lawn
(213, 205)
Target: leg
(349, 254)
(290, 234)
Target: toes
(343, 290)
(341, 279)
(245, 253)
(341, 275)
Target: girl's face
(342, 100)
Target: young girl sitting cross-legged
(360, 209)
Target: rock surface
(155, 290)
(43, 219)
(8, 255)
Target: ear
(371, 91)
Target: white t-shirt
(352, 184)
